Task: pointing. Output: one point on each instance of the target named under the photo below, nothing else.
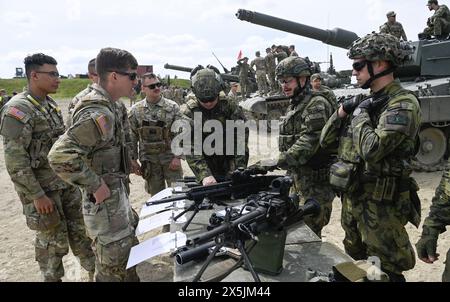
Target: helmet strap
(299, 91)
(373, 76)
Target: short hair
(35, 61)
(149, 75)
(268, 49)
(113, 59)
(292, 46)
(432, 1)
(257, 53)
(91, 66)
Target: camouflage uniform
(151, 138)
(29, 129)
(437, 220)
(233, 97)
(260, 64)
(91, 150)
(439, 23)
(218, 166)
(280, 56)
(395, 29)
(271, 65)
(75, 101)
(243, 78)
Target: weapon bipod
(196, 207)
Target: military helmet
(432, 2)
(316, 76)
(380, 46)
(293, 66)
(206, 84)
(391, 14)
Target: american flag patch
(16, 113)
(102, 124)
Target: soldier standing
(261, 78)
(439, 24)
(280, 54)
(233, 94)
(435, 223)
(300, 131)
(31, 122)
(293, 53)
(151, 121)
(393, 27)
(208, 169)
(243, 77)
(92, 155)
(384, 129)
(270, 66)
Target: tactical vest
(288, 131)
(109, 159)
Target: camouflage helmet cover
(206, 84)
(316, 76)
(293, 66)
(380, 47)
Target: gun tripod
(196, 207)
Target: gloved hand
(350, 104)
(285, 161)
(371, 104)
(426, 246)
(263, 166)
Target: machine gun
(268, 210)
(242, 184)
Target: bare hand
(136, 168)
(341, 112)
(43, 205)
(210, 180)
(175, 164)
(102, 193)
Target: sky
(182, 32)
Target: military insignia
(398, 120)
(16, 113)
(102, 124)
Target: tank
(426, 73)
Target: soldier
(383, 129)
(393, 27)
(233, 94)
(243, 77)
(151, 121)
(270, 66)
(435, 223)
(260, 65)
(280, 54)
(30, 123)
(300, 131)
(316, 82)
(92, 155)
(292, 51)
(439, 24)
(207, 85)
(92, 74)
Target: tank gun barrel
(336, 37)
(225, 76)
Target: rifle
(272, 210)
(224, 69)
(242, 184)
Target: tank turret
(225, 76)
(426, 72)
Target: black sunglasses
(153, 86)
(204, 101)
(53, 74)
(358, 66)
(131, 75)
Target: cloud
(73, 10)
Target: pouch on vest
(342, 176)
(267, 255)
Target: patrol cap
(390, 14)
(316, 76)
(431, 2)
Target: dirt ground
(17, 252)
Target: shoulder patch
(103, 125)
(17, 114)
(397, 120)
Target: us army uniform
(75, 100)
(438, 219)
(271, 65)
(151, 140)
(280, 56)
(395, 29)
(219, 166)
(383, 201)
(309, 163)
(91, 150)
(439, 23)
(260, 64)
(243, 78)
(29, 128)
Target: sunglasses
(131, 75)
(358, 66)
(53, 74)
(153, 86)
(285, 81)
(204, 101)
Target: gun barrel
(194, 253)
(167, 200)
(336, 37)
(179, 68)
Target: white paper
(149, 210)
(161, 244)
(158, 220)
